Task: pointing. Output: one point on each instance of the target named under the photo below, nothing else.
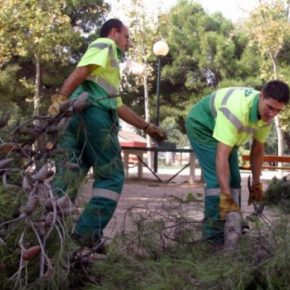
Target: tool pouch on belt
(227, 204)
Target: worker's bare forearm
(131, 117)
(222, 166)
(223, 175)
(256, 160)
(75, 79)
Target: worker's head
(117, 31)
(273, 98)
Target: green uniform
(91, 140)
(229, 116)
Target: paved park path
(149, 194)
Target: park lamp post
(160, 48)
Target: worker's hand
(155, 132)
(255, 193)
(56, 102)
(227, 204)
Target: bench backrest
(270, 159)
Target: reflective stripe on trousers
(235, 193)
(105, 193)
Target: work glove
(56, 102)
(255, 193)
(155, 132)
(227, 204)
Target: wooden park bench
(139, 151)
(273, 162)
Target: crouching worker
(216, 126)
(91, 138)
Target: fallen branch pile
(34, 223)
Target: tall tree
(43, 36)
(142, 28)
(36, 30)
(86, 16)
(139, 71)
(204, 51)
(269, 28)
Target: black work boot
(88, 252)
(95, 244)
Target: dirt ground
(149, 194)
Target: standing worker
(216, 126)
(91, 139)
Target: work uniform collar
(254, 112)
(120, 54)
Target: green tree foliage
(36, 32)
(86, 15)
(37, 27)
(205, 51)
(268, 28)
(138, 72)
(43, 39)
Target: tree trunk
(40, 142)
(36, 99)
(273, 58)
(287, 139)
(288, 11)
(276, 120)
(147, 118)
(233, 230)
(279, 136)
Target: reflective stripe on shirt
(99, 45)
(212, 106)
(114, 62)
(224, 101)
(111, 90)
(228, 114)
(227, 96)
(236, 122)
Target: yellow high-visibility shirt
(104, 82)
(229, 116)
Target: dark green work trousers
(91, 140)
(213, 226)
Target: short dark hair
(109, 25)
(277, 90)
